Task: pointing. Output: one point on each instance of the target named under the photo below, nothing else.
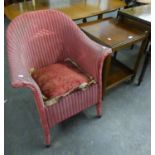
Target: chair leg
(99, 109)
(47, 137)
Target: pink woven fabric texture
(41, 38)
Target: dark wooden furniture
(76, 9)
(141, 14)
(133, 3)
(8, 2)
(116, 34)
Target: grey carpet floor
(124, 128)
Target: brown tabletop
(76, 9)
(112, 33)
(141, 13)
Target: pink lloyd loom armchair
(45, 37)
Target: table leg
(100, 16)
(132, 46)
(115, 55)
(140, 54)
(105, 72)
(146, 60)
(84, 20)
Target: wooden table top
(113, 33)
(142, 13)
(76, 9)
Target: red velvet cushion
(58, 79)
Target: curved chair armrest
(21, 78)
(24, 80)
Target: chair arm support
(21, 78)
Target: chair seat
(60, 79)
